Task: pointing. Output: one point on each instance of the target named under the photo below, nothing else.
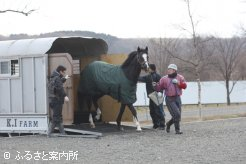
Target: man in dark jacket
(156, 112)
(57, 98)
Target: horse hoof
(93, 126)
(139, 130)
(97, 117)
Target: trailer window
(15, 68)
(4, 69)
(9, 68)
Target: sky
(125, 18)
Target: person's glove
(66, 99)
(174, 81)
(66, 77)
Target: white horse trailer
(24, 68)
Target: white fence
(212, 93)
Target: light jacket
(170, 88)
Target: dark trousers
(56, 120)
(174, 107)
(157, 114)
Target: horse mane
(128, 61)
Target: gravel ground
(193, 111)
(221, 141)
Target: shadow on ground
(105, 128)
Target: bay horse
(118, 81)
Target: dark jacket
(148, 79)
(59, 90)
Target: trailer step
(83, 132)
(74, 136)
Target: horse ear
(146, 48)
(138, 49)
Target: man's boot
(156, 123)
(169, 123)
(61, 129)
(162, 125)
(155, 126)
(51, 128)
(177, 127)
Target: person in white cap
(172, 84)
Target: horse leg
(118, 120)
(94, 100)
(134, 113)
(89, 103)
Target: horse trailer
(25, 66)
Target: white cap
(172, 66)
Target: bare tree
(197, 56)
(17, 11)
(243, 31)
(242, 66)
(158, 55)
(229, 54)
(24, 11)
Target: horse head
(143, 58)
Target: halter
(145, 62)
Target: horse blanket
(101, 78)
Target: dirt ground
(221, 141)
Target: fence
(213, 98)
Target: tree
(242, 66)
(158, 55)
(229, 53)
(17, 11)
(24, 11)
(197, 57)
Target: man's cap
(173, 66)
(152, 67)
